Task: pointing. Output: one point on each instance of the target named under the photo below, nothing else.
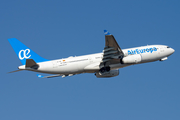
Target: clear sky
(62, 28)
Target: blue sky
(59, 29)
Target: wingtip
(39, 76)
(106, 32)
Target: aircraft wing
(112, 53)
(51, 76)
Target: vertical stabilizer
(23, 52)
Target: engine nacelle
(132, 59)
(111, 73)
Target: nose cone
(172, 50)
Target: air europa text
(138, 51)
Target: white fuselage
(91, 63)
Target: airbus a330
(105, 64)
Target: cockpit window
(168, 47)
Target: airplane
(104, 65)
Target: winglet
(40, 76)
(51, 76)
(106, 32)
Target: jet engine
(132, 59)
(111, 73)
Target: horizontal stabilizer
(15, 71)
(31, 63)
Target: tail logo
(24, 54)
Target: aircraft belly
(117, 66)
(92, 67)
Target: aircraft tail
(23, 52)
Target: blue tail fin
(23, 52)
